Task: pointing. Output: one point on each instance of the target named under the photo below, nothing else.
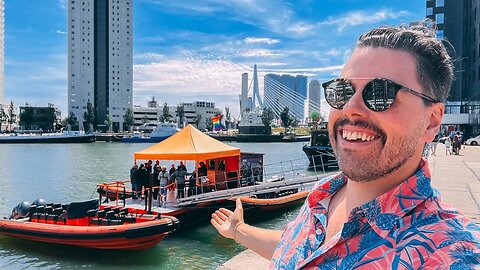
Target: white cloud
(149, 56)
(356, 18)
(63, 4)
(259, 53)
(61, 32)
(189, 76)
(333, 52)
(311, 70)
(300, 28)
(261, 40)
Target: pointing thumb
(239, 204)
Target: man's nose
(355, 106)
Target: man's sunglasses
(379, 93)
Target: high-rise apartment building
(100, 57)
(282, 91)
(2, 49)
(313, 96)
(458, 22)
(448, 16)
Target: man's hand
(225, 220)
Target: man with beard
(380, 212)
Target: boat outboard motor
(39, 202)
(20, 211)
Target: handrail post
(323, 164)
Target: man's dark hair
(434, 65)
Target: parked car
(473, 141)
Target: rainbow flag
(217, 123)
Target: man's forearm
(262, 241)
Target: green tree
(89, 116)
(27, 118)
(145, 119)
(51, 118)
(128, 119)
(12, 117)
(71, 119)
(209, 123)
(198, 118)
(180, 114)
(286, 118)
(108, 122)
(267, 116)
(3, 116)
(165, 113)
(315, 116)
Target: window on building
(430, 11)
(440, 34)
(440, 18)
(440, 3)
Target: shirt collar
(383, 212)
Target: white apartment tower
(2, 48)
(100, 58)
(314, 96)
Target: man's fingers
(215, 224)
(217, 219)
(221, 215)
(225, 211)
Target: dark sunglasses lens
(379, 94)
(338, 93)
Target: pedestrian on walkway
(448, 146)
(434, 144)
(457, 143)
(380, 212)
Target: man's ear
(434, 121)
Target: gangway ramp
(260, 188)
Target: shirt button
(319, 231)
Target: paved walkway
(456, 177)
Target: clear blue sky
(197, 50)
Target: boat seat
(33, 210)
(49, 204)
(129, 219)
(57, 205)
(48, 209)
(57, 211)
(110, 214)
(116, 210)
(79, 209)
(101, 213)
(40, 209)
(124, 211)
(91, 213)
(106, 209)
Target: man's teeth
(353, 136)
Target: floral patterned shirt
(406, 228)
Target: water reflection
(65, 173)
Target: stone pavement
(456, 177)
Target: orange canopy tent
(188, 144)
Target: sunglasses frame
(398, 87)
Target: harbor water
(69, 172)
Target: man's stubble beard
(381, 161)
